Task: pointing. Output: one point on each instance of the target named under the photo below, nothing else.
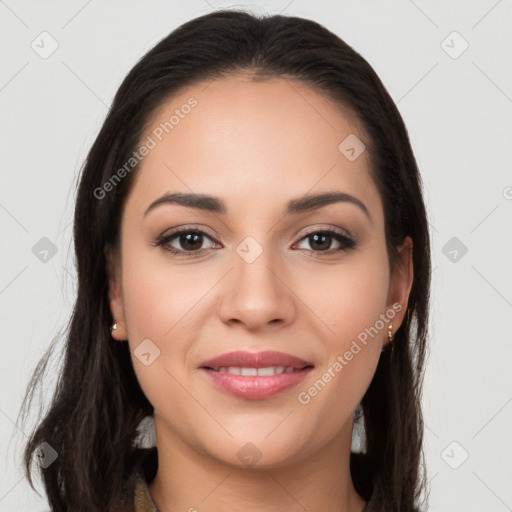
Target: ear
(401, 282)
(115, 292)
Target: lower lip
(256, 387)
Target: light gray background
(459, 115)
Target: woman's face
(274, 270)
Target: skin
(256, 145)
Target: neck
(187, 480)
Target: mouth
(256, 376)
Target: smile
(255, 376)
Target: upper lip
(264, 359)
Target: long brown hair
(93, 416)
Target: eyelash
(347, 243)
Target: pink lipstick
(255, 375)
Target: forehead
(251, 142)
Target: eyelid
(185, 228)
(336, 229)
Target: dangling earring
(390, 336)
(114, 327)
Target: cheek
(159, 296)
(158, 301)
(350, 301)
(161, 303)
(347, 298)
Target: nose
(256, 295)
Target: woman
(253, 273)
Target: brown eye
(185, 242)
(322, 240)
(191, 241)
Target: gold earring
(390, 336)
(114, 327)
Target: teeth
(271, 370)
(252, 372)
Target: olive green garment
(142, 501)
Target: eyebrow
(294, 206)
